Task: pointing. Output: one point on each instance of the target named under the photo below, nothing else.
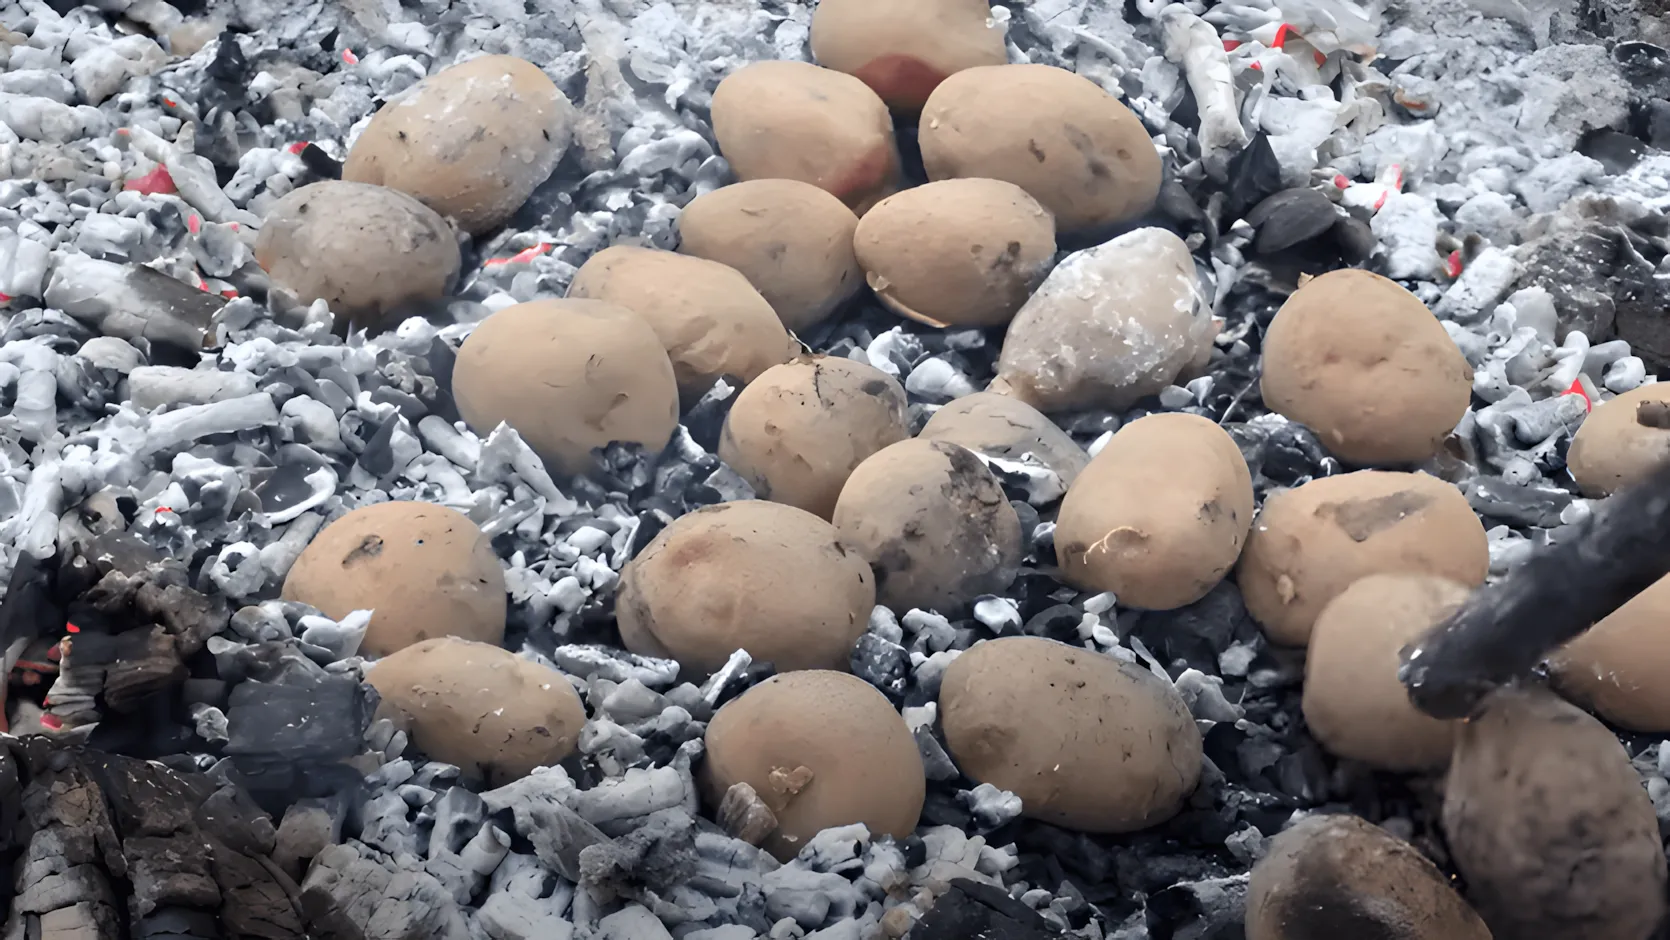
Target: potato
(1004, 427)
(1621, 440)
(366, 250)
(710, 319)
(753, 575)
(472, 141)
(496, 715)
(956, 253)
(424, 571)
(904, 50)
(1341, 876)
(570, 376)
(1110, 325)
(1353, 702)
(1055, 134)
(821, 749)
(792, 240)
(1617, 668)
(1309, 543)
(796, 432)
(1549, 824)
(793, 120)
(934, 524)
(1159, 516)
(1364, 364)
(1086, 741)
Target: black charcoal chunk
(972, 909)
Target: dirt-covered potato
(1621, 440)
(1051, 132)
(1007, 428)
(424, 571)
(1617, 668)
(764, 577)
(1086, 741)
(794, 120)
(1342, 876)
(1160, 515)
(792, 240)
(570, 376)
(821, 749)
(904, 50)
(796, 432)
(933, 523)
(711, 321)
(1549, 824)
(1310, 543)
(471, 141)
(1363, 363)
(1353, 701)
(366, 250)
(494, 714)
(1110, 325)
(962, 252)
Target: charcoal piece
(289, 486)
(1293, 453)
(882, 663)
(169, 870)
(236, 820)
(1600, 286)
(377, 458)
(1254, 174)
(972, 909)
(133, 302)
(1524, 505)
(258, 900)
(1616, 152)
(1289, 217)
(1199, 910)
(27, 611)
(349, 895)
(1197, 633)
(320, 163)
(1355, 239)
(411, 407)
(136, 664)
(170, 923)
(1059, 622)
(1077, 852)
(305, 718)
(558, 834)
(655, 857)
(308, 827)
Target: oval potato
(904, 50)
(1005, 427)
(1622, 440)
(1617, 667)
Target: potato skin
(961, 252)
(569, 376)
(425, 571)
(1086, 741)
(904, 50)
(1160, 515)
(863, 763)
(1616, 668)
(366, 250)
(1053, 133)
(796, 432)
(1613, 448)
(1363, 363)
(1003, 426)
(1309, 543)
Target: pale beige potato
(963, 252)
(1007, 428)
(904, 50)
(1622, 440)
(1086, 741)
(1159, 516)
(1617, 668)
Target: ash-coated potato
(1621, 440)
(821, 749)
(934, 524)
(796, 432)
(472, 141)
(1310, 543)
(792, 240)
(794, 120)
(1617, 668)
(570, 376)
(1353, 702)
(424, 571)
(1363, 363)
(365, 250)
(711, 321)
(963, 252)
(1086, 741)
(764, 577)
(1342, 876)
(496, 715)
(1160, 515)
(904, 50)
(1051, 132)
(1005, 427)
(1550, 825)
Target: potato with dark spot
(471, 141)
(1310, 543)
(796, 432)
(1622, 440)
(1337, 876)
(999, 426)
(368, 251)
(821, 749)
(965, 252)
(1051, 132)
(904, 50)
(424, 571)
(759, 576)
(1617, 667)
(934, 524)
(571, 376)
(794, 120)
(1085, 740)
